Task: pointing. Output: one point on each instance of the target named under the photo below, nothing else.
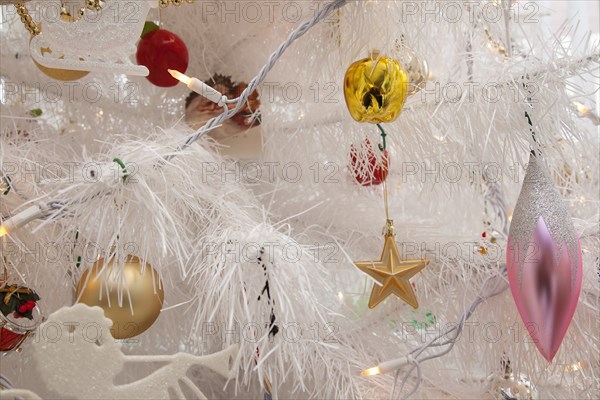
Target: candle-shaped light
(199, 87)
(386, 367)
(371, 371)
(19, 220)
(180, 77)
(585, 112)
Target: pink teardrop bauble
(543, 260)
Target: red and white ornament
(368, 164)
(19, 315)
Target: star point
(392, 274)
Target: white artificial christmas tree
(254, 231)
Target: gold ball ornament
(57, 73)
(141, 294)
(375, 89)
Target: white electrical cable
(195, 84)
(260, 77)
(455, 332)
(21, 219)
(495, 199)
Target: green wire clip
(123, 166)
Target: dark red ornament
(160, 50)
(366, 167)
(17, 317)
(10, 340)
(15, 328)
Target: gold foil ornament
(131, 297)
(57, 73)
(375, 89)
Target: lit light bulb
(180, 77)
(371, 371)
(578, 366)
(581, 108)
(388, 366)
(200, 87)
(21, 219)
(585, 112)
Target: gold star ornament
(391, 273)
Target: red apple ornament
(367, 167)
(160, 50)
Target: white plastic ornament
(101, 41)
(76, 340)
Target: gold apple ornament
(375, 89)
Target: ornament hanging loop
(528, 100)
(389, 222)
(382, 147)
(389, 229)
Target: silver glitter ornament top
(539, 198)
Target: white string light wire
(29, 215)
(492, 286)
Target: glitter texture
(543, 261)
(539, 198)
